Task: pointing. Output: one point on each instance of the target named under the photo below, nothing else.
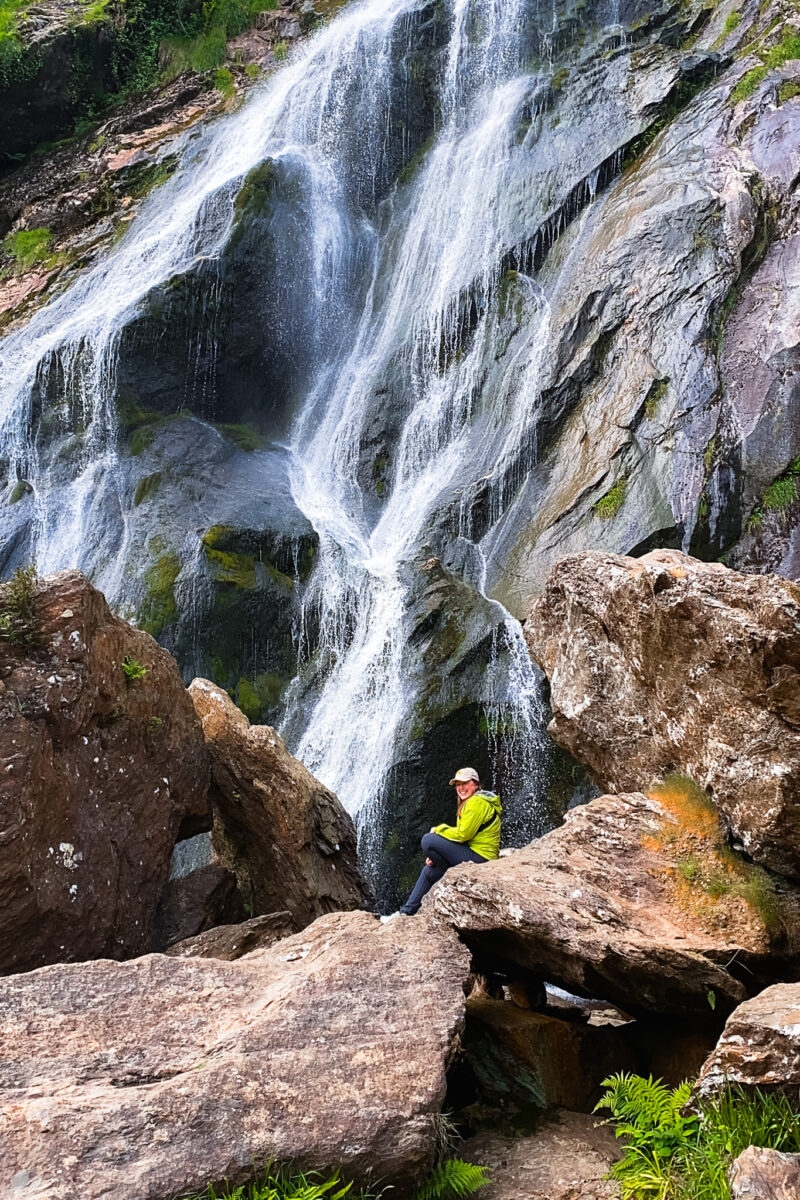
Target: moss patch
(788, 90)
(609, 505)
(28, 247)
(148, 485)
(258, 695)
(778, 497)
(787, 48)
(158, 607)
(245, 436)
(655, 394)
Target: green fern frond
(452, 1179)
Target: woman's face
(465, 790)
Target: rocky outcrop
(595, 906)
(665, 664)
(102, 768)
(568, 1158)
(287, 838)
(229, 942)
(328, 1051)
(759, 1174)
(760, 1045)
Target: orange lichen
(689, 804)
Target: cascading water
(409, 293)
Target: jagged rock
(328, 1050)
(759, 1046)
(197, 902)
(761, 1174)
(98, 777)
(665, 663)
(568, 1158)
(287, 838)
(229, 942)
(593, 906)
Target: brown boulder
(287, 838)
(195, 903)
(568, 1158)
(759, 1046)
(151, 1079)
(664, 664)
(595, 906)
(760, 1174)
(230, 942)
(98, 777)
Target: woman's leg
(443, 854)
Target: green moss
(230, 567)
(413, 165)
(158, 607)
(732, 21)
(709, 454)
(655, 394)
(748, 84)
(149, 176)
(510, 295)
(213, 536)
(281, 51)
(259, 695)
(142, 440)
(788, 90)
(609, 505)
(245, 436)
(21, 488)
(247, 699)
(559, 79)
(282, 580)
(148, 485)
(28, 247)
(780, 494)
(223, 82)
(252, 70)
(787, 48)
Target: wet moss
(559, 79)
(148, 485)
(244, 435)
(253, 201)
(230, 567)
(788, 90)
(159, 608)
(259, 695)
(409, 171)
(223, 82)
(28, 247)
(21, 488)
(655, 394)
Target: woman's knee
(428, 841)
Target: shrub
(252, 70)
(223, 82)
(281, 51)
(671, 1154)
(18, 607)
(133, 669)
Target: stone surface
(197, 902)
(665, 664)
(568, 1158)
(98, 778)
(229, 942)
(760, 1045)
(287, 838)
(155, 1077)
(759, 1174)
(592, 906)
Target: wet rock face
(99, 775)
(203, 1101)
(286, 838)
(760, 1174)
(592, 906)
(666, 664)
(759, 1047)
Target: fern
(451, 1179)
(648, 1114)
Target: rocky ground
(324, 1038)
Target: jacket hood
(492, 799)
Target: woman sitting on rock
(475, 837)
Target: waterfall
(414, 284)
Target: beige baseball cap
(464, 776)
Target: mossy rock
(159, 609)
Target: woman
(475, 837)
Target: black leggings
(443, 854)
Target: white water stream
(426, 246)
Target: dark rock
(100, 775)
(327, 1051)
(286, 838)
(229, 942)
(666, 664)
(759, 1047)
(197, 902)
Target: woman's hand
(428, 862)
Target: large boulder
(100, 773)
(287, 838)
(153, 1078)
(664, 664)
(229, 942)
(761, 1174)
(599, 907)
(760, 1045)
(568, 1158)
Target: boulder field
(326, 1039)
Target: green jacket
(480, 808)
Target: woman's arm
(473, 814)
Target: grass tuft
(609, 505)
(28, 247)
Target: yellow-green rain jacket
(478, 825)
